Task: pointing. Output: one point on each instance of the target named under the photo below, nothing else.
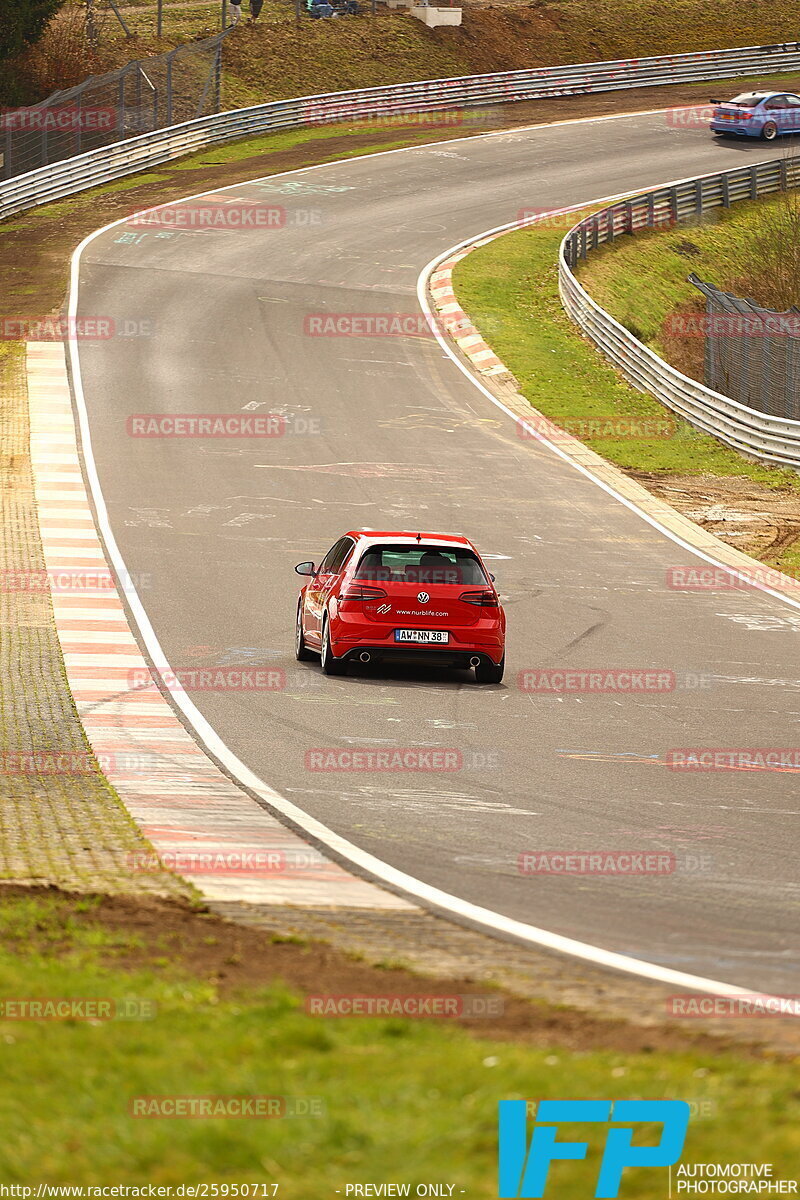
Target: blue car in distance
(757, 114)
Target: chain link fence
(138, 98)
(751, 354)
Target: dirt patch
(757, 520)
(174, 938)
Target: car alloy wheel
(769, 132)
(301, 650)
(330, 665)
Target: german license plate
(436, 637)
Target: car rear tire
(489, 672)
(770, 131)
(330, 665)
(301, 650)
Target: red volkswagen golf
(410, 596)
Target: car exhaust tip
(474, 661)
(365, 656)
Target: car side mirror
(306, 568)
(492, 577)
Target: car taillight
(482, 599)
(745, 116)
(360, 592)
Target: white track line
(369, 864)
(161, 774)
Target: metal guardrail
(757, 434)
(143, 96)
(103, 165)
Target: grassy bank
(420, 1097)
(283, 57)
(510, 290)
(643, 280)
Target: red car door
(324, 582)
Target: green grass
(641, 280)
(288, 139)
(509, 288)
(282, 57)
(403, 1100)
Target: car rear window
(421, 564)
(748, 98)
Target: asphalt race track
(403, 440)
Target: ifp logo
(523, 1170)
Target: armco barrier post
(121, 105)
(170, 58)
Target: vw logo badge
(423, 597)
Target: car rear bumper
(485, 636)
(444, 656)
(732, 127)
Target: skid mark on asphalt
(629, 758)
(356, 470)
(764, 622)
(153, 518)
(322, 698)
(420, 800)
(299, 187)
(794, 684)
(440, 422)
